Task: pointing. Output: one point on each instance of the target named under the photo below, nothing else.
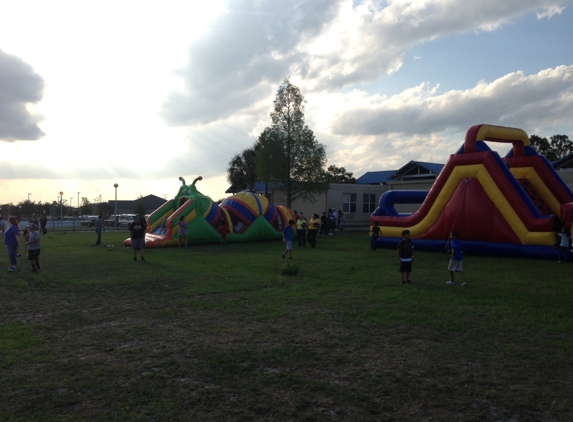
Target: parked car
(123, 220)
(90, 222)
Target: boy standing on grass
(374, 234)
(33, 244)
(456, 264)
(405, 256)
(287, 238)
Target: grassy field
(224, 333)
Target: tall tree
(288, 153)
(558, 147)
(241, 172)
(339, 175)
(86, 207)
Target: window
(368, 202)
(349, 202)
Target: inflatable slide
(249, 217)
(511, 206)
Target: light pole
(78, 204)
(29, 197)
(61, 200)
(115, 217)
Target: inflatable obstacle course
(509, 206)
(249, 217)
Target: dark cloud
(19, 86)
(243, 58)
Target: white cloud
(20, 87)
(514, 98)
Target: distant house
(149, 202)
(564, 167)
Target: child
(405, 256)
(287, 238)
(456, 265)
(374, 234)
(563, 245)
(26, 233)
(182, 232)
(33, 246)
(223, 229)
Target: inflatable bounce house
(509, 207)
(249, 217)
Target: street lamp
(78, 204)
(115, 218)
(29, 197)
(61, 199)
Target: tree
(288, 153)
(139, 207)
(339, 175)
(86, 207)
(559, 146)
(241, 172)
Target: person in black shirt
(405, 256)
(137, 230)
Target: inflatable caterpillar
(249, 217)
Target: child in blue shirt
(287, 238)
(456, 260)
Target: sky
(141, 93)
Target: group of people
(12, 240)
(329, 222)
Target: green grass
(234, 333)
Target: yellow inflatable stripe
(208, 210)
(479, 172)
(529, 174)
(507, 133)
(159, 221)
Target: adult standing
(313, 226)
(98, 229)
(323, 224)
(137, 232)
(300, 230)
(44, 222)
(12, 241)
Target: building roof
(418, 169)
(258, 188)
(375, 177)
(563, 163)
(411, 171)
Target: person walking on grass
(33, 244)
(98, 229)
(405, 256)
(12, 241)
(313, 226)
(137, 233)
(301, 230)
(224, 230)
(456, 260)
(564, 236)
(374, 234)
(182, 232)
(287, 238)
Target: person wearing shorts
(182, 232)
(137, 231)
(456, 261)
(33, 244)
(287, 238)
(405, 256)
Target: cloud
(324, 45)
(513, 100)
(19, 86)
(241, 58)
